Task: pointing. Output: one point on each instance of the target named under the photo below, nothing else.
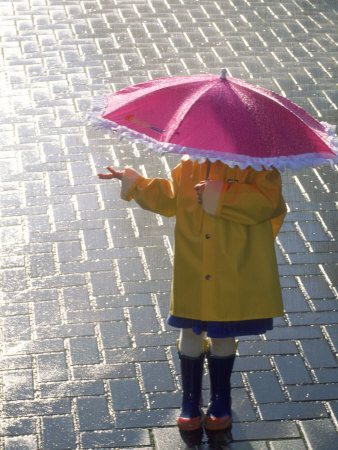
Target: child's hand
(113, 174)
(199, 188)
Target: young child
(225, 278)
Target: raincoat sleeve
(248, 203)
(154, 194)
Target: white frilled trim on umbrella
(242, 161)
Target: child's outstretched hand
(113, 174)
(199, 188)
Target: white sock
(222, 346)
(191, 344)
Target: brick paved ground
(87, 359)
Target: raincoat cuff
(211, 196)
(129, 180)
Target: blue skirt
(223, 329)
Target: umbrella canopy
(218, 118)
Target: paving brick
(112, 253)
(38, 224)
(292, 411)
(52, 367)
(18, 385)
(147, 286)
(333, 408)
(87, 202)
(10, 261)
(255, 445)
(163, 400)
(265, 387)
(42, 265)
(33, 347)
(169, 438)
(10, 200)
(13, 280)
(143, 320)
(131, 270)
(324, 305)
(15, 362)
(126, 394)
(11, 234)
(58, 432)
(313, 318)
(313, 392)
(59, 281)
(95, 239)
(84, 350)
(93, 413)
(120, 227)
(313, 231)
(318, 353)
(103, 371)
(266, 348)
(135, 354)
(292, 243)
(98, 315)
(37, 408)
(293, 300)
(247, 363)
(332, 332)
(124, 301)
(157, 376)
(294, 332)
(79, 225)
(63, 212)
(157, 256)
(242, 408)
(317, 287)
(17, 427)
(69, 251)
(148, 340)
(33, 295)
(47, 313)
(265, 430)
(14, 309)
(329, 375)
(295, 444)
(114, 334)
(76, 298)
(16, 328)
(146, 419)
(319, 434)
(122, 438)
(292, 369)
(28, 442)
(104, 284)
(58, 331)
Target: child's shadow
(213, 440)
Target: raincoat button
(207, 236)
(207, 277)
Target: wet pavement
(87, 360)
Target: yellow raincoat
(225, 264)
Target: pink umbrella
(219, 118)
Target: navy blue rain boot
(218, 416)
(191, 417)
